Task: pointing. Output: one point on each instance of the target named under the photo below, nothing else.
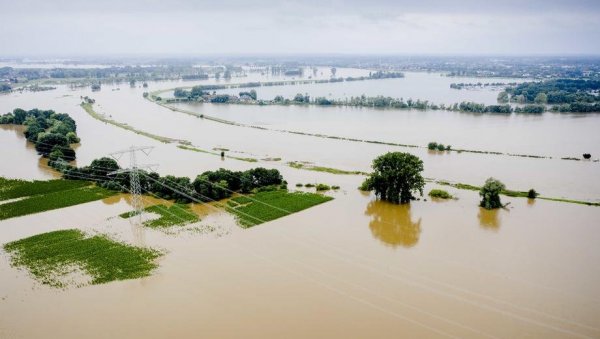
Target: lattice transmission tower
(134, 176)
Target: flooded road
(353, 267)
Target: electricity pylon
(134, 177)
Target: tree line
(51, 132)
(207, 186)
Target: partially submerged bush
(490, 194)
(587, 155)
(323, 187)
(433, 146)
(532, 194)
(299, 185)
(437, 193)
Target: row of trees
(51, 132)
(208, 186)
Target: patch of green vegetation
(50, 257)
(299, 165)
(441, 194)
(176, 215)
(54, 200)
(16, 188)
(323, 187)
(266, 206)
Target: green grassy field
(53, 200)
(250, 212)
(176, 215)
(15, 188)
(50, 257)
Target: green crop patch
(54, 200)
(15, 188)
(53, 257)
(270, 205)
(176, 215)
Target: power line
(133, 170)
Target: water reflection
(392, 224)
(489, 219)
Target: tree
(490, 194)
(46, 141)
(102, 166)
(333, 71)
(541, 98)
(503, 97)
(396, 177)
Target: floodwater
(434, 87)
(352, 267)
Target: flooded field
(352, 267)
(434, 269)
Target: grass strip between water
(89, 108)
(270, 205)
(175, 215)
(52, 257)
(299, 165)
(199, 150)
(515, 194)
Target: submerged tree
(396, 177)
(490, 194)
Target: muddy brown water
(352, 267)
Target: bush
(46, 141)
(437, 193)
(309, 185)
(441, 147)
(323, 187)
(432, 145)
(587, 155)
(532, 194)
(490, 194)
(299, 185)
(335, 187)
(72, 138)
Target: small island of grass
(52, 258)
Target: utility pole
(134, 176)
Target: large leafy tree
(396, 176)
(490, 194)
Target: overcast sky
(199, 27)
